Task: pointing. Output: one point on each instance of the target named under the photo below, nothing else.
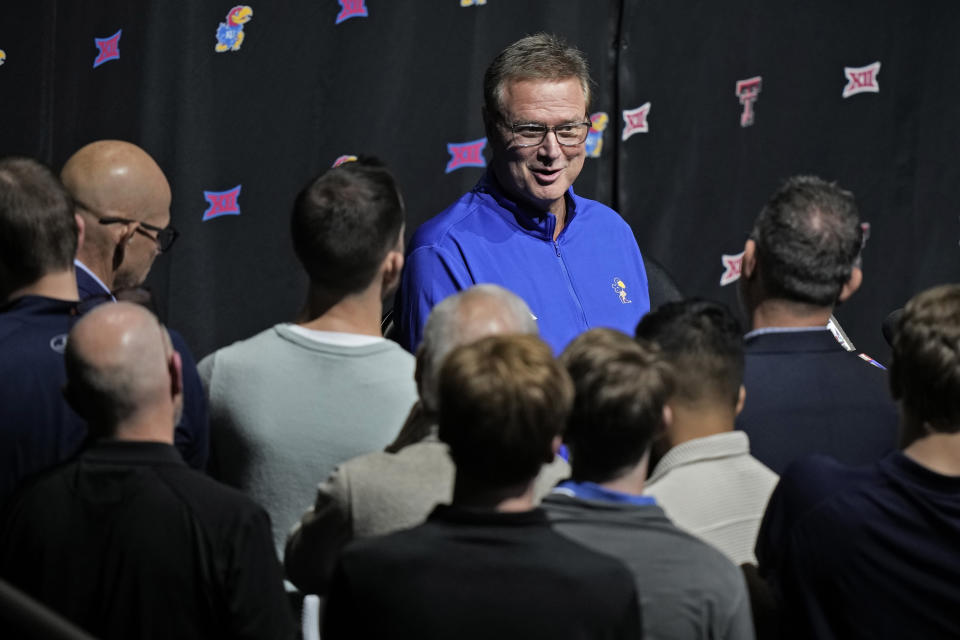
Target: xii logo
(109, 49)
(467, 154)
(748, 91)
(351, 9)
(222, 203)
(861, 79)
(635, 120)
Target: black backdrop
(403, 82)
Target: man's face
(141, 249)
(541, 174)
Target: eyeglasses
(531, 134)
(164, 237)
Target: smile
(546, 176)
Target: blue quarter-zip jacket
(592, 276)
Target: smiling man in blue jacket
(574, 261)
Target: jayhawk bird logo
(3, 57)
(230, 33)
(621, 288)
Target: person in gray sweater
(687, 588)
(289, 404)
(385, 491)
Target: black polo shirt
(128, 542)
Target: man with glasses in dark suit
(124, 200)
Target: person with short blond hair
(488, 565)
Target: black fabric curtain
(239, 132)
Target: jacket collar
(533, 221)
(717, 446)
(791, 341)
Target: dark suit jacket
(192, 437)
(806, 394)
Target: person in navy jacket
(806, 393)
(574, 261)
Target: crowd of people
(524, 449)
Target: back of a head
(925, 370)
(344, 223)
(808, 240)
(542, 56)
(38, 232)
(703, 341)
(620, 388)
(503, 400)
(116, 366)
(480, 311)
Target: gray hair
(542, 56)
(481, 310)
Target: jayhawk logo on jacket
(230, 33)
(621, 288)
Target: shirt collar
(593, 491)
(534, 221)
(107, 451)
(86, 270)
(453, 513)
(719, 445)
(766, 330)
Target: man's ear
(749, 263)
(121, 235)
(81, 230)
(175, 367)
(853, 283)
(667, 416)
(391, 270)
(741, 400)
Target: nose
(550, 148)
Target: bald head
(122, 373)
(116, 179)
(480, 311)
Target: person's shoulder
(391, 350)
(402, 549)
(384, 359)
(412, 457)
(597, 212)
(209, 499)
(241, 350)
(812, 480)
(24, 331)
(436, 231)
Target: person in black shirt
(488, 565)
(126, 541)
